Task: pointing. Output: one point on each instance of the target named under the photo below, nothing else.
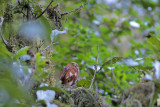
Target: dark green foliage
(12, 92)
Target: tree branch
(3, 40)
(81, 6)
(44, 10)
(95, 67)
(48, 47)
(28, 11)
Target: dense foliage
(116, 41)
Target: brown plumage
(69, 74)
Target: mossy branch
(1, 34)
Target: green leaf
(84, 74)
(81, 56)
(84, 83)
(154, 45)
(38, 57)
(40, 63)
(143, 68)
(114, 60)
(4, 53)
(118, 13)
(22, 51)
(37, 9)
(154, 40)
(47, 27)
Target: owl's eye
(73, 64)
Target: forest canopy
(115, 44)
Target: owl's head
(74, 64)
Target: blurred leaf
(38, 57)
(143, 68)
(83, 83)
(47, 27)
(42, 102)
(4, 53)
(10, 87)
(37, 9)
(22, 51)
(84, 74)
(155, 41)
(3, 2)
(118, 13)
(154, 44)
(108, 63)
(40, 63)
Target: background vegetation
(115, 40)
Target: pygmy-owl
(69, 74)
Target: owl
(69, 74)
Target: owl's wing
(63, 73)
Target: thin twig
(81, 6)
(95, 66)
(48, 46)
(114, 77)
(44, 10)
